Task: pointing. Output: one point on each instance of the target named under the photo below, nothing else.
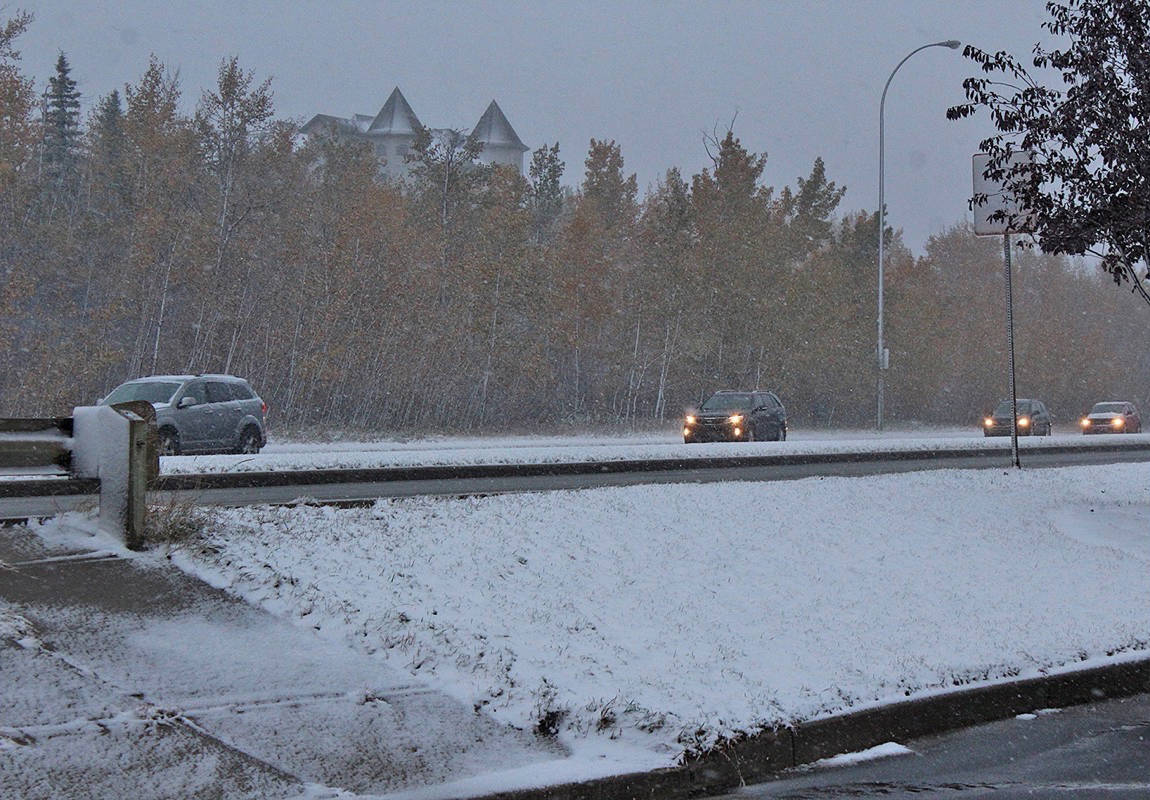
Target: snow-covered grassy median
(673, 616)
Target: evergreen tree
(61, 121)
(612, 195)
(732, 186)
(808, 212)
(107, 149)
(737, 241)
(546, 195)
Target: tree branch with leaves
(1086, 184)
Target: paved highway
(1094, 751)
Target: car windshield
(1003, 408)
(151, 391)
(727, 402)
(1108, 408)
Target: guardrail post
(136, 507)
(147, 412)
(111, 443)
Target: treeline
(139, 240)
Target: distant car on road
(1033, 419)
(200, 413)
(737, 417)
(1115, 416)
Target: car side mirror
(185, 402)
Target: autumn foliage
(474, 298)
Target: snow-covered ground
(352, 454)
(661, 619)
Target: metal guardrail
(36, 443)
(27, 445)
(326, 485)
(64, 463)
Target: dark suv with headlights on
(1033, 419)
(200, 413)
(737, 417)
(1112, 417)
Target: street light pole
(953, 44)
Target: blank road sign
(998, 199)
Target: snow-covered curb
(884, 750)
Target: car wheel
(168, 442)
(249, 441)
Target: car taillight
(263, 408)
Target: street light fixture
(953, 44)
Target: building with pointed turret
(392, 131)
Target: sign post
(997, 211)
(1010, 347)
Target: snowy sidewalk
(123, 677)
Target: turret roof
(395, 117)
(493, 128)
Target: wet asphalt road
(1093, 751)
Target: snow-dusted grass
(446, 451)
(16, 628)
(671, 617)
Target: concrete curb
(763, 755)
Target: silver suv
(200, 413)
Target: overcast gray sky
(803, 78)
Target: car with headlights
(200, 413)
(731, 416)
(1114, 416)
(1033, 419)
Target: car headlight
(1118, 422)
(1085, 423)
(988, 422)
(1023, 422)
(735, 419)
(690, 419)
(686, 431)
